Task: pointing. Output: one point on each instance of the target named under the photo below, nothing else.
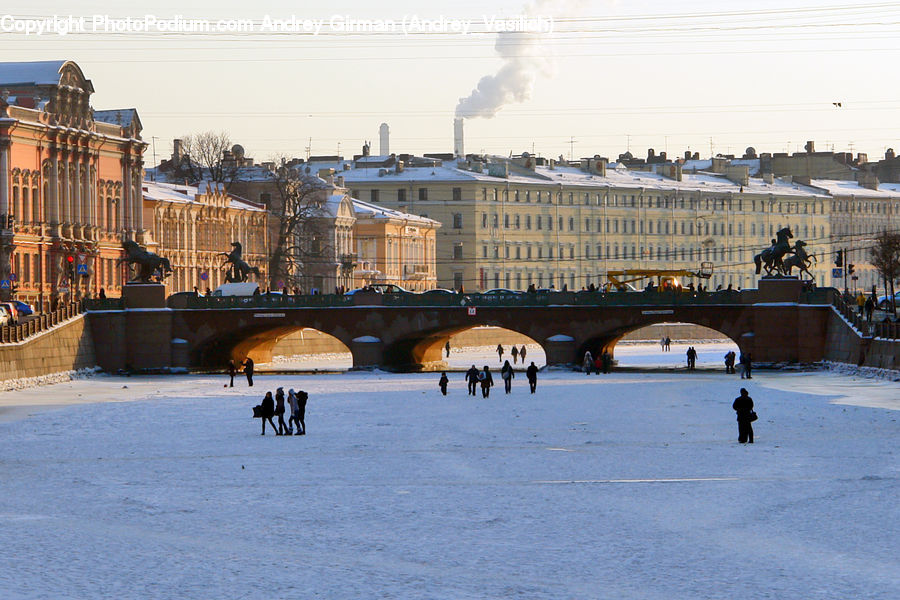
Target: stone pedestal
(780, 290)
(144, 295)
(560, 350)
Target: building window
(527, 221)
(458, 281)
(373, 196)
(457, 251)
(423, 193)
(484, 220)
(496, 251)
(516, 195)
(518, 252)
(484, 252)
(540, 225)
(401, 195)
(518, 222)
(495, 220)
(528, 252)
(457, 221)
(587, 224)
(571, 223)
(527, 195)
(457, 194)
(506, 221)
(505, 251)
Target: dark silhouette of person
(729, 361)
(515, 354)
(443, 383)
(500, 351)
(232, 371)
(507, 374)
(691, 358)
(447, 348)
(472, 380)
(268, 411)
(531, 374)
(607, 362)
(487, 381)
(522, 353)
(279, 411)
(302, 397)
(294, 419)
(743, 406)
(746, 366)
(248, 370)
(102, 294)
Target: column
(77, 216)
(4, 178)
(125, 213)
(65, 202)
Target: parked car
(884, 302)
(12, 311)
(500, 292)
(24, 309)
(380, 288)
(439, 292)
(5, 316)
(236, 289)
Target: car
(237, 289)
(438, 292)
(12, 311)
(379, 288)
(884, 302)
(500, 292)
(24, 309)
(5, 316)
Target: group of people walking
(515, 352)
(665, 344)
(485, 379)
(602, 363)
(275, 407)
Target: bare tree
(885, 257)
(299, 237)
(204, 157)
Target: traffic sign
(4, 284)
(81, 258)
(13, 276)
(837, 273)
(204, 276)
(63, 290)
(82, 269)
(472, 311)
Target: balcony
(348, 261)
(415, 271)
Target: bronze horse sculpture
(771, 257)
(149, 264)
(239, 270)
(799, 259)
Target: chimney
(458, 147)
(176, 149)
(384, 141)
(810, 147)
(868, 180)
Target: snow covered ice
(629, 485)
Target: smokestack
(458, 149)
(384, 133)
(176, 149)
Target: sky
(600, 77)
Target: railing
(18, 333)
(268, 301)
(103, 304)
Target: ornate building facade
(193, 225)
(70, 185)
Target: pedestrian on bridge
(531, 373)
(248, 370)
(472, 380)
(507, 374)
(487, 381)
(500, 352)
(443, 383)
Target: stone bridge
(779, 322)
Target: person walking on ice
(500, 352)
(443, 383)
(531, 374)
(472, 380)
(447, 348)
(507, 374)
(248, 370)
(267, 411)
(487, 381)
(743, 406)
(515, 353)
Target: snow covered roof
(46, 72)
(374, 211)
(572, 176)
(187, 194)
(838, 187)
(121, 116)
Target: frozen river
(629, 485)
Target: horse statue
(771, 257)
(799, 259)
(150, 264)
(239, 270)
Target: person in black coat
(279, 411)
(267, 412)
(745, 365)
(472, 380)
(487, 381)
(443, 383)
(531, 374)
(743, 406)
(248, 370)
(507, 374)
(302, 397)
(232, 371)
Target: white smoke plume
(525, 57)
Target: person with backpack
(507, 374)
(531, 373)
(279, 411)
(267, 411)
(472, 380)
(487, 381)
(743, 406)
(443, 383)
